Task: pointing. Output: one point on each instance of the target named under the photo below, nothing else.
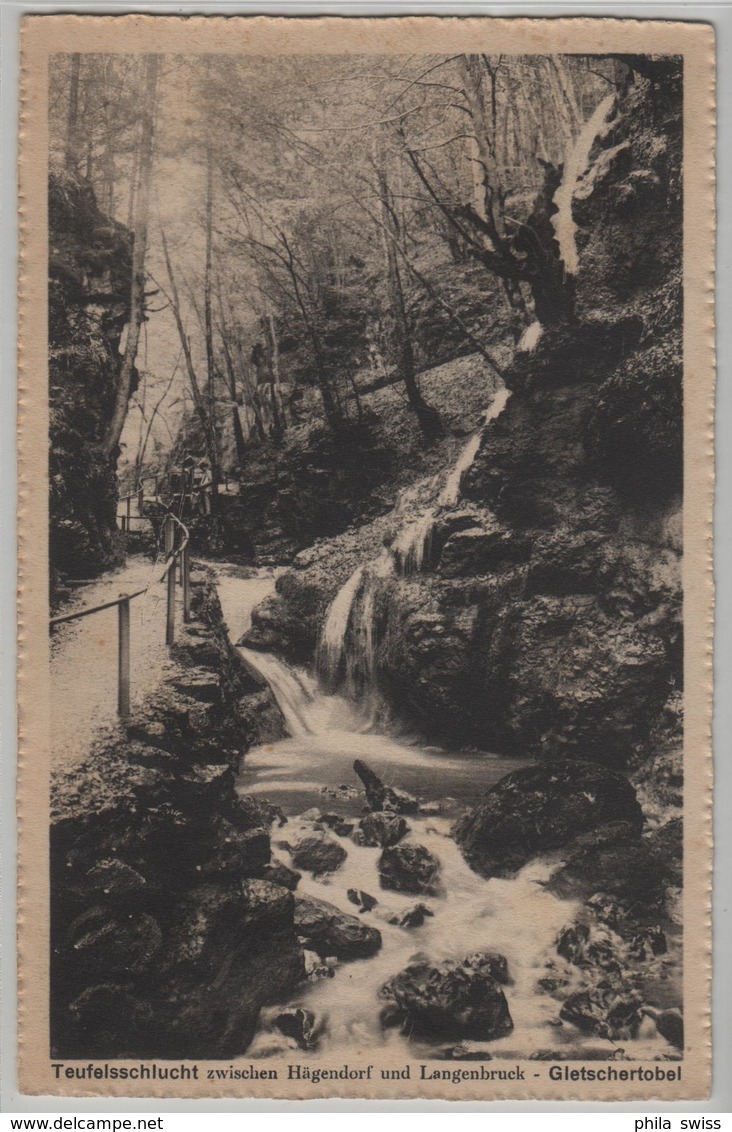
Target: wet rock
(465, 1051)
(412, 917)
(491, 962)
(362, 900)
(571, 942)
(116, 1016)
(279, 873)
(316, 968)
(325, 929)
(607, 910)
(409, 868)
(248, 812)
(476, 550)
(552, 983)
(607, 1010)
(318, 854)
(123, 943)
(301, 1024)
(381, 829)
(540, 808)
(113, 878)
(667, 841)
(648, 942)
(669, 1023)
(447, 1000)
(379, 796)
(616, 858)
(590, 947)
(237, 852)
(228, 915)
(340, 825)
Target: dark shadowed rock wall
(169, 927)
(88, 294)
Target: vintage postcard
(365, 588)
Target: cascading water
(575, 169)
(314, 767)
(346, 650)
(450, 493)
(332, 643)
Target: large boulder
(323, 928)
(380, 797)
(409, 868)
(540, 808)
(112, 942)
(609, 1010)
(617, 861)
(234, 949)
(381, 829)
(318, 854)
(450, 1000)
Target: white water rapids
(313, 767)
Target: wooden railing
(182, 493)
(176, 556)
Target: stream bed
(311, 772)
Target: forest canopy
(294, 217)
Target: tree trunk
(428, 417)
(108, 162)
(332, 413)
(240, 443)
(489, 176)
(139, 248)
(71, 155)
(208, 332)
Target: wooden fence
(176, 539)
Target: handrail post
(170, 610)
(168, 534)
(123, 657)
(185, 566)
(129, 512)
(140, 499)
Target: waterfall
(348, 631)
(332, 643)
(575, 168)
(361, 657)
(450, 493)
(411, 547)
(293, 690)
(312, 767)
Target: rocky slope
(547, 617)
(170, 925)
(89, 285)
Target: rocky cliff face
(89, 283)
(170, 927)
(552, 622)
(547, 620)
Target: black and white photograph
(366, 568)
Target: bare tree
(428, 417)
(139, 249)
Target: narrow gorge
(411, 776)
